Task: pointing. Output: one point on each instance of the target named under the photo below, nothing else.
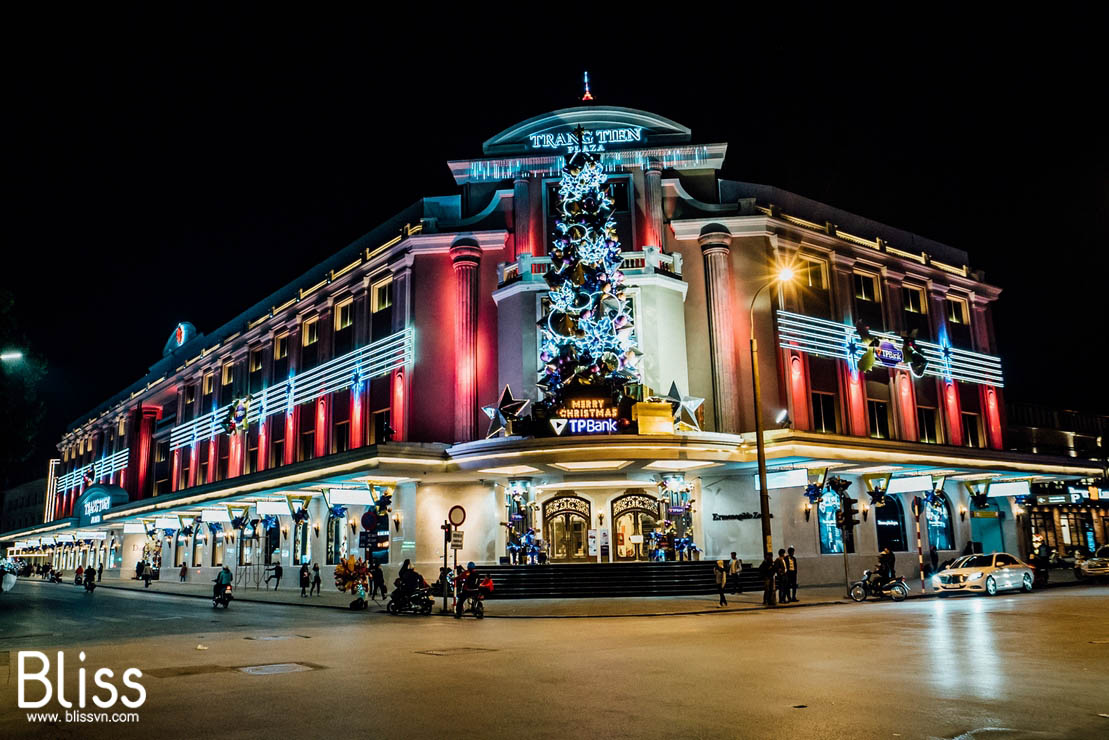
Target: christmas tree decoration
(813, 493)
(269, 521)
(338, 511)
(587, 335)
(504, 414)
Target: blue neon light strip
(101, 468)
(371, 361)
(831, 339)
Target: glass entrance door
(632, 528)
(567, 535)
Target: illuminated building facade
(360, 387)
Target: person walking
(316, 581)
(934, 558)
(138, 570)
(721, 575)
(377, 579)
(735, 570)
(147, 573)
(766, 571)
(791, 573)
(275, 575)
(183, 573)
(305, 580)
(99, 572)
(781, 578)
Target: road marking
(456, 651)
(274, 668)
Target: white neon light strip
(830, 339)
(371, 361)
(101, 468)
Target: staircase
(599, 580)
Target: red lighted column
(356, 403)
(322, 427)
(800, 408)
(952, 413)
(194, 461)
(398, 416)
(175, 481)
(521, 217)
(140, 458)
(718, 295)
(465, 258)
(994, 426)
(906, 403)
(263, 448)
(856, 402)
(290, 437)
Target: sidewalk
(637, 606)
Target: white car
(1094, 567)
(986, 574)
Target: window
(246, 544)
(302, 552)
(281, 346)
(382, 431)
(913, 300)
(272, 544)
(180, 551)
(344, 314)
(889, 521)
(1003, 559)
(382, 295)
(217, 546)
(336, 539)
(866, 287)
(255, 359)
(970, 430)
(209, 384)
(824, 413)
(310, 332)
(956, 311)
(938, 518)
(198, 546)
(122, 426)
(811, 274)
(831, 536)
(879, 419)
(926, 425)
(228, 374)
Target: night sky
(181, 167)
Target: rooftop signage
(605, 126)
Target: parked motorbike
(54, 577)
(476, 605)
(871, 585)
(223, 597)
(414, 602)
(90, 585)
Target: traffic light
(839, 519)
(852, 514)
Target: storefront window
(938, 516)
(831, 536)
(889, 521)
(198, 547)
(247, 545)
(336, 539)
(217, 547)
(272, 546)
(181, 550)
(302, 552)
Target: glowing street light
(785, 275)
(11, 356)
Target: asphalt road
(1014, 666)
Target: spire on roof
(587, 95)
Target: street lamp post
(784, 275)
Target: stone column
(652, 201)
(465, 258)
(718, 297)
(140, 463)
(521, 218)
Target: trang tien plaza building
(426, 366)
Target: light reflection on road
(962, 650)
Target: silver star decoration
(684, 407)
(501, 416)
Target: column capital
(842, 262)
(715, 239)
(465, 253)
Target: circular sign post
(456, 516)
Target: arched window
(336, 539)
(938, 516)
(889, 520)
